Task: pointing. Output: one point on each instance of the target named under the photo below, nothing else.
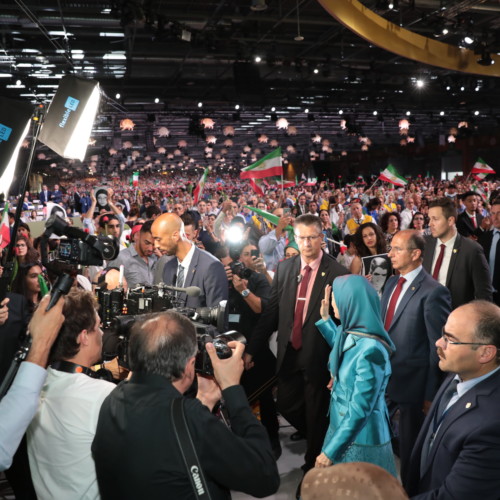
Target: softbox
(15, 119)
(70, 117)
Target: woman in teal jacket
(360, 369)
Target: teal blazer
(358, 412)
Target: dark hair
(412, 226)
(134, 211)
(487, 328)
(32, 254)
(347, 240)
(447, 206)
(24, 226)
(79, 314)
(19, 282)
(152, 210)
(162, 344)
(189, 220)
(372, 203)
(106, 218)
(465, 195)
(309, 220)
(384, 220)
(146, 226)
(361, 248)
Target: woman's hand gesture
(325, 303)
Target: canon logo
(197, 480)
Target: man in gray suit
(192, 267)
(414, 309)
(456, 262)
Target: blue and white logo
(71, 104)
(4, 132)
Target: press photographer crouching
(249, 293)
(136, 448)
(61, 433)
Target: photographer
(249, 293)
(63, 428)
(21, 401)
(135, 421)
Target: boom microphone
(190, 291)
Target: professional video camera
(79, 247)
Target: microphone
(61, 287)
(190, 291)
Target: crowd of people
(385, 301)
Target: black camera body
(203, 364)
(239, 269)
(76, 251)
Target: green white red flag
(390, 174)
(5, 227)
(135, 179)
(198, 191)
(481, 169)
(269, 166)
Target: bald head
(168, 234)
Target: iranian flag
(135, 179)
(199, 188)
(477, 189)
(256, 187)
(481, 167)
(390, 174)
(269, 166)
(5, 228)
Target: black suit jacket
(465, 226)
(465, 458)
(485, 241)
(280, 313)
(468, 274)
(44, 196)
(417, 324)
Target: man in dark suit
(490, 241)
(457, 454)
(414, 309)
(302, 352)
(470, 220)
(45, 195)
(192, 267)
(456, 262)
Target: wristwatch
(245, 293)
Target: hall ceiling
(181, 53)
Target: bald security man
(192, 266)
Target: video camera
(79, 247)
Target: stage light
(448, 87)
(341, 112)
(118, 96)
(157, 100)
(237, 106)
(445, 31)
(316, 71)
(273, 109)
(15, 120)
(462, 88)
(441, 113)
(408, 113)
(375, 113)
(200, 104)
(420, 83)
(468, 39)
(70, 117)
(476, 113)
(258, 59)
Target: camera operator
(135, 421)
(21, 401)
(60, 435)
(249, 293)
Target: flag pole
(371, 187)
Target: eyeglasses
(310, 239)
(447, 340)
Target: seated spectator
(357, 217)
(390, 223)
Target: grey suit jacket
(205, 272)
(415, 328)
(468, 274)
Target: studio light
(200, 104)
(70, 117)
(468, 39)
(118, 96)
(420, 83)
(258, 59)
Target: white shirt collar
(187, 259)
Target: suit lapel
(429, 255)
(384, 301)
(192, 268)
(407, 297)
(453, 260)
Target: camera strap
(68, 367)
(186, 445)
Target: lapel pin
(322, 274)
(413, 288)
(455, 250)
(468, 405)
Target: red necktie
(392, 303)
(299, 310)
(439, 262)
(474, 221)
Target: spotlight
(448, 87)
(476, 113)
(237, 106)
(390, 5)
(18, 83)
(441, 113)
(315, 71)
(273, 109)
(341, 112)
(462, 88)
(420, 83)
(375, 113)
(157, 100)
(306, 110)
(408, 113)
(200, 104)
(258, 59)
(444, 31)
(468, 39)
(118, 96)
